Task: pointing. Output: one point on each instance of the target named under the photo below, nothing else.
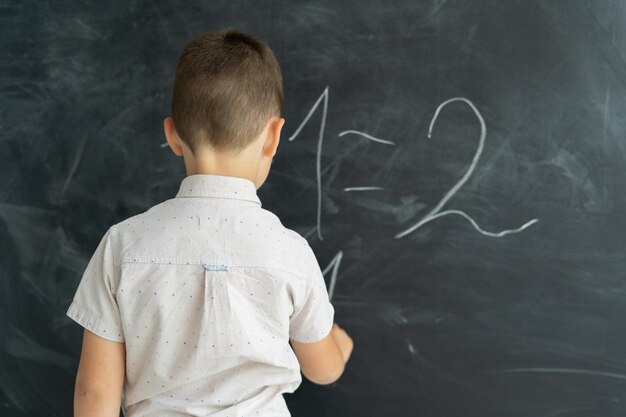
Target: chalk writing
(362, 188)
(334, 264)
(365, 135)
(435, 213)
(322, 99)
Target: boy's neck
(217, 163)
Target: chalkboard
(459, 168)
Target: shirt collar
(219, 186)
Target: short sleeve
(94, 305)
(313, 315)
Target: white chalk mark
(434, 213)
(607, 100)
(412, 348)
(334, 264)
(365, 135)
(567, 371)
(318, 159)
(476, 226)
(370, 137)
(308, 116)
(362, 188)
(77, 159)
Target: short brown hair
(227, 85)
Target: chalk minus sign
(362, 188)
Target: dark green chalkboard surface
(459, 168)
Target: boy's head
(226, 106)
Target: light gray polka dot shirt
(205, 289)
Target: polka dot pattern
(205, 289)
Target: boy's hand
(343, 341)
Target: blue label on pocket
(209, 267)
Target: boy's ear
(273, 136)
(172, 136)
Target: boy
(189, 307)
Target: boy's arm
(321, 362)
(100, 377)
(311, 327)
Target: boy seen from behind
(189, 308)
